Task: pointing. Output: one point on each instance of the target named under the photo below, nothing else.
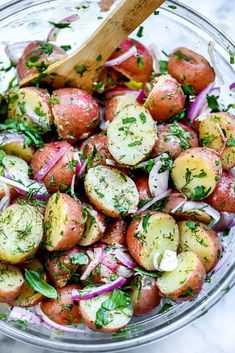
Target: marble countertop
(214, 332)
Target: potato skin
(142, 185)
(60, 175)
(145, 295)
(196, 172)
(118, 103)
(191, 286)
(94, 228)
(76, 114)
(174, 139)
(64, 311)
(130, 67)
(10, 291)
(115, 232)
(223, 197)
(166, 99)
(191, 69)
(64, 224)
(97, 143)
(60, 267)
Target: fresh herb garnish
(212, 102)
(179, 55)
(142, 272)
(135, 143)
(60, 25)
(140, 32)
(200, 192)
(145, 221)
(66, 47)
(165, 307)
(35, 282)
(79, 259)
(163, 64)
(188, 89)
(129, 120)
(140, 61)
(80, 69)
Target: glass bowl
(175, 25)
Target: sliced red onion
(72, 187)
(227, 221)
(54, 325)
(93, 292)
(232, 86)
(36, 118)
(119, 91)
(155, 54)
(109, 262)
(15, 51)
(180, 204)
(202, 206)
(124, 271)
(223, 138)
(52, 35)
(124, 258)
(5, 202)
(6, 189)
(7, 138)
(211, 52)
(83, 167)
(199, 103)
(141, 96)
(152, 202)
(98, 257)
(120, 59)
(18, 313)
(79, 162)
(90, 253)
(42, 172)
(158, 182)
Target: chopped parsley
(60, 25)
(200, 192)
(129, 120)
(140, 32)
(66, 47)
(80, 69)
(145, 221)
(135, 143)
(142, 272)
(165, 307)
(143, 118)
(140, 61)
(212, 102)
(163, 64)
(179, 55)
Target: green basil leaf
(34, 280)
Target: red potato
(186, 281)
(115, 232)
(174, 138)
(61, 266)
(76, 114)
(190, 68)
(27, 296)
(110, 78)
(64, 311)
(37, 49)
(117, 318)
(152, 232)
(94, 228)
(145, 295)
(11, 282)
(60, 175)
(204, 242)
(136, 68)
(223, 197)
(174, 200)
(32, 105)
(118, 103)
(142, 185)
(64, 222)
(166, 99)
(97, 147)
(196, 172)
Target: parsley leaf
(145, 221)
(179, 55)
(212, 102)
(165, 307)
(80, 69)
(142, 272)
(200, 192)
(163, 64)
(140, 32)
(35, 282)
(60, 25)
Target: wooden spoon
(118, 25)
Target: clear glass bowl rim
(197, 309)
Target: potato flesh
(191, 172)
(90, 307)
(10, 278)
(197, 241)
(162, 234)
(17, 167)
(131, 135)
(55, 220)
(93, 231)
(21, 232)
(112, 190)
(172, 281)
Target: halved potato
(115, 232)
(64, 223)
(95, 227)
(131, 135)
(119, 318)
(111, 191)
(212, 130)
(27, 296)
(204, 242)
(196, 172)
(21, 232)
(151, 233)
(186, 281)
(116, 104)
(19, 149)
(31, 104)
(11, 282)
(15, 166)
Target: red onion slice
(97, 258)
(203, 206)
(18, 313)
(223, 138)
(120, 59)
(155, 54)
(232, 86)
(158, 182)
(152, 202)
(124, 271)
(227, 221)
(199, 102)
(124, 258)
(141, 97)
(90, 293)
(79, 162)
(54, 325)
(42, 172)
(5, 202)
(7, 138)
(36, 118)
(52, 35)
(83, 167)
(15, 51)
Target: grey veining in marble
(215, 331)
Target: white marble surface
(215, 331)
